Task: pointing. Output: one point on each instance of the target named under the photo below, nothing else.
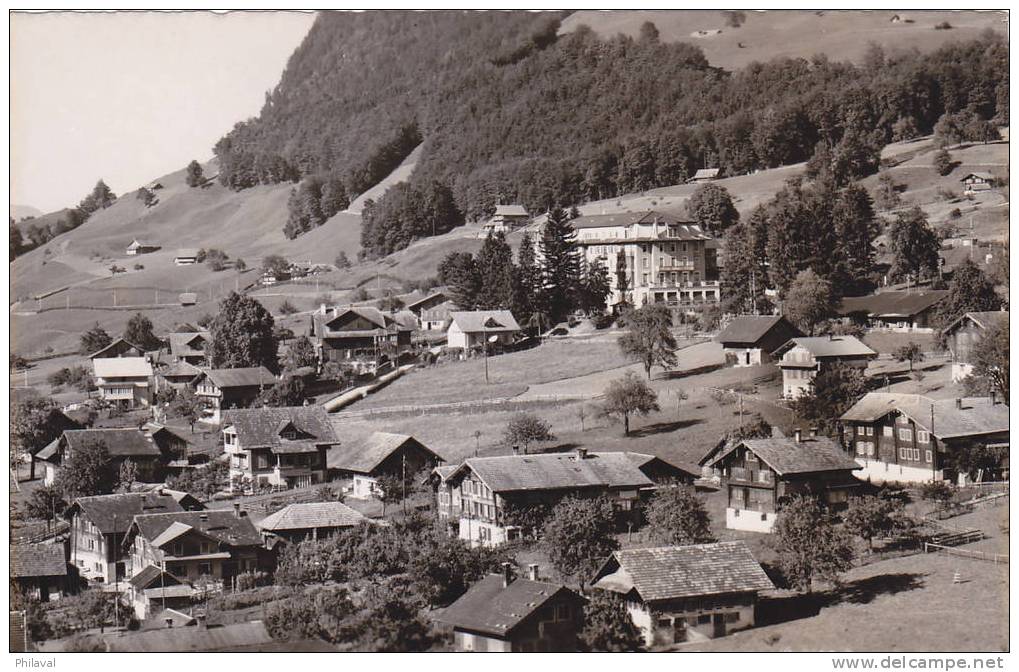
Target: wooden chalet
(749, 340)
(380, 454)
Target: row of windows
(905, 433)
(474, 488)
(914, 454)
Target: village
(679, 419)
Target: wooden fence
(963, 553)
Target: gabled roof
(487, 321)
(251, 376)
(705, 173)
(179, 369)
(257, 427)
(673, 572)
(829, 346)
(787, 456)
(183, 344)
(983, 319)
(312, 515)
(366, 456)
(491, 608)
(135, 244)
(152, 576)
(892, 304)
(435, 298)
(186, 253)
(224, 526)
(977, 415)
(117, 345)
(121, 367)
(510, 211)
(556, 471)
(751, 328)
(114, 513)
(177, 529)
(29, 560)
(981, 175)
(332, 321)
(235, 637)
(129, 442)
(640, 217)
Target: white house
(186, 257)
(473, 328)
(124, 381)
(802, 358)
(506, 218)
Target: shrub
(956, 213)
(287, 308)
(139, 267)
(944, 25)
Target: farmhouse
(138, 247)
(447, 497)
(899, 311)
(310, 520)
(231, 388)
(803, 357)
(437, 317)
(245, 637)
(381, 454)
(283, 447)
(153, 590)
(123, 381)
(122, 444)
(431, 301)
(749, 340)
(911, 438)
(686, 593)
(762, 474)
(40, 571)
(508, 614)
(176, 376)
(186, 257)
(470, 329)
(506, 219)
(663, 259)
(704, 175)
(190, 347)
(962, 336)
(488, 486)
(98, 525)
(358, 332)
(975, 182)
(118, 348)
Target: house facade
(750, 340)
(802, 358)
(118, 348)
(475, 328)
(153, 590)
(40, 571)
(280, 447)
(190, 347)
(380, 454)
(437, 317)
(761, 475)
(962, 336)
(506, 219)
(910, 438)
(898, 311)
(663, 260)
(125, 382)
(224, 389)
(975, 182)
(678, 594)
(358, 332)
(311, 520)
(185, 257)
(125, 444)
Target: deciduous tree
(628, 396)
(711, 206)
(242, 334)
(525, 429)
(676, 516)
(649, 338)
(94, 340)
(578, 536)
(193, 175)
(915, 246)
(139, 332)
(809, 301)
(834, 389)
(87, 471)
(990, 358)
(810, 545)
(608, 626)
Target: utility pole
(116, 578)
(403, 478)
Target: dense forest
(509, 111)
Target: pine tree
(495, 262)
(460, 272)
(242, 335)
(560, 265)
(94, 340)
(100, 197)
(915, 247)
(969, 291)
(745, 274)
(526, 281)
(194, 176)
(596, 287)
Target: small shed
(705, 175)
(975, 182)
(188, 298)
(185, 257)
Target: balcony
(676, 265)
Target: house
(431, 301)
(664, 260)
(175, 448)
(803, 357)
(447, 497)
(310, 520)
(358, 332)
(762, 474)
(123, 381)
(98, 525)
(380, 454)
(974, 182)
(118, 348)
(153, 590)
(962, 336)
(188, 298)
(437, 317)
(190, 347)
(186, 257)
(212, 545)
(704, 175)
(910, 438)
(489, 486)
(749, 340)
(900, 311)
(508, 614)
(245, 637)
(176, 376)
(506, 219)
(122, 444)
(137, 247)
(40, 571)
(283, 447)
(231, 388)
(691, 593)
(474, 328)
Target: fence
(963, 553)
(122, 298)
(486, 405)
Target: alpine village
(583, 331)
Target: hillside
(19, 212)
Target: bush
(956, 213)
(944, 25)
(287, 308)
(139, 267)
(360, 294)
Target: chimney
(798, 434)
(994, 397)
(581, 453)
(507, 574)
(813, 432)
(200, 621)
(958, 403)
(169, 622)
(516, 450)
(322, 308)
(237, 509)
(532, 572)
(203, 516)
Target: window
(905, 434)
(703, 618)
(869, 431)
(929, 455)
(910, 454)
(204, 569)
(562, 612)
(178, 548)
(764, 477)
(732, 617)
(887, 431)
(923, 436)
(664, 623)
(205, 548)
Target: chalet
(975, 182)
(963, 334)
(663, 259)
(358, 332)
(40, 571)
(193, 545)
(381, 454)
(123, 381)
(122, 444)
(749, 340)
(508, 614)
(174, 448)
(118, 348)
(431, 301)
(910, 438)
(691, 593)
(311, 520)
(247, 637)
(447, 497)
(283, 447)
(190, 347)
(98, 525)
(185, 257)
(704, 175)
(506, 219)
(437, 317)
(177, 376)
(153, 590)
(762, 474)
(470, 329)
(231, 388)
(900, 311)
(138, 247)
(488, 486)
(803, 357)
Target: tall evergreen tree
(560, 264)
(495, 262)
(595, 287)
(970, 290)
(527, 280)
(243, 335)
(100, 197)
(460, 272)
(193, 176)
(914, 246)
(852, 218)
(745, 274)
